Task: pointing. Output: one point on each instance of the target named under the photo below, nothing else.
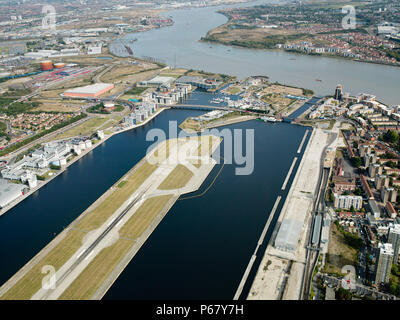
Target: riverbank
(244, 44)
(76, 158)
(214, 124)
(280, 273)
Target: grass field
(95, 218)
(91, 278)
(119, 72)
(28, 285)
(339, 253)
(162, 152)
(205, 146)
(190, 124)
(234, 90)
(57, 106)
(86, 128)
(86, 284)
(143, 216)
(178, 178)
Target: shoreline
(205, 40)
(284, 270)
(76, 158)
(227, 122)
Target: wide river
(179, 45)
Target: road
(15, 153)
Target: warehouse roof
(93, 88)
(288, 235)
(9, 192)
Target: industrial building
(90, 91)
(384, 263)
(316, 229)
(46, 65)
(212, 115)
(158, 81)
(288, 235)
(94, 50)
(10, 192)
(199, 82)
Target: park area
(342, 250)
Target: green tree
(343, 294)
(356, 161)
(391, 136)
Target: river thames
(179, 45)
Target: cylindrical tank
(59, 65)
(46, 65)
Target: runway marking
(254, 256)
(289, 173)
(302, 141)
(88, 255)
(80, 253)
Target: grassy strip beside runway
(178, 178)
(26, 287)
(31, 282)
(86, 284)
(95, 218)
(62, 253)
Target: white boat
(268, 119)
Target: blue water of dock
(297, 113)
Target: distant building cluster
(19, 177)
(142, 112)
